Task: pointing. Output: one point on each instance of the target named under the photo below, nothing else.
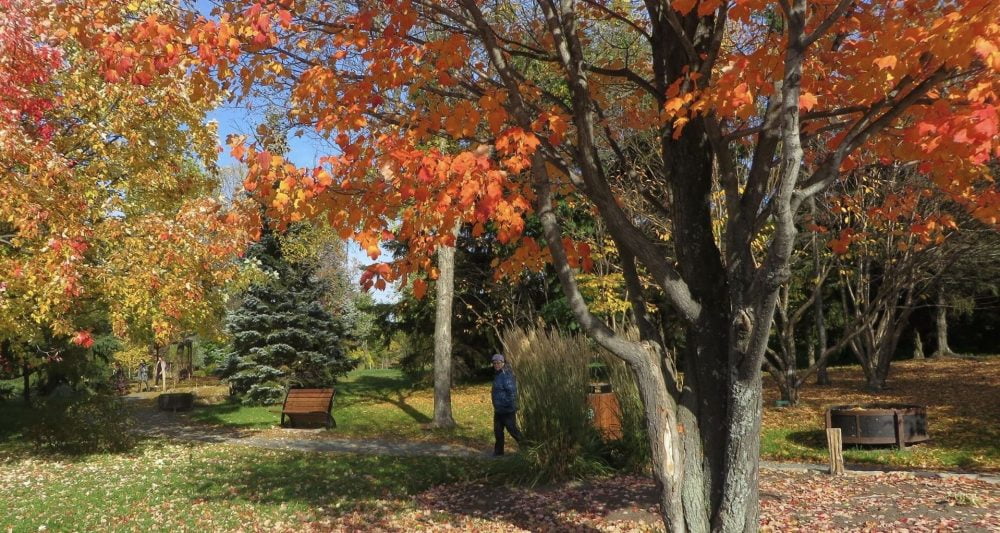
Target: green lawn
(171, 487)
(382, 404)
(168, 486)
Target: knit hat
(497, 357)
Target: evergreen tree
(282, 336)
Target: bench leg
(332, 423)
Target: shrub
(552, 376)
(87, 423)
(7, 392)
(553, 370)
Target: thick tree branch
(824, 26)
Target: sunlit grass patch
(210, 487)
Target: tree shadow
(330, 484)
(15, 417)
(378, 389)
(21, 435)
(214, 414)
(812, 438)
(551, 508)
(375, 384)
(336, 485)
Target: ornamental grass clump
(552, 376)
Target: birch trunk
(445, 292)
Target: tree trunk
(669, 463)
(943, 350)
(26, 393)
(872, 381)
(918, 345)
(875, 379)
(884, 352)
(822, 377)
(445, 288)
(789, 387)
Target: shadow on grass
(237, 416)
(813, 438)
(341, 482)
(375, 384)
(26, 432)
(545, 508)
(381, 389)
(336, 485)
(15, 417)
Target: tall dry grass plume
(553, 371)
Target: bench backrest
(308, 400)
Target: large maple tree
(108, 200)
(642, 110)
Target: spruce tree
(282, 336)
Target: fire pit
(898, 424)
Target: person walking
(504, 395)
(119, 380)
(143, 377)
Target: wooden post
(900, 430)
(834, 443)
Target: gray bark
(704, 437)
(941, 323)
(822, 377)
(445, 292)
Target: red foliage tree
(765, 102)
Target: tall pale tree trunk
(445, 292)
(941, 316)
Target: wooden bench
(308, 406)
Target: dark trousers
(501, 421)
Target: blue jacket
(504, 391)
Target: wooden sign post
(836, 447)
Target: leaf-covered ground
(167, 485)
(217, 487)
(963, 411)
